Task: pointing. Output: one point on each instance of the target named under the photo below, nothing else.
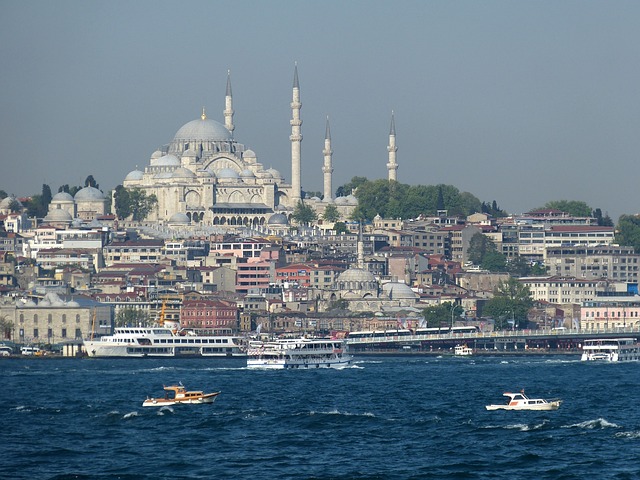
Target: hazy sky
(513, 101)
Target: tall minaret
(296, 139)
(327, 169)
(392, 166)
(228, 106)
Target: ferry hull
(302, 365)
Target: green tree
(628, 231)
(3, 194)
(482, 251)
(441, 315)
(304, 214)
(348, 188)
(132, 317)
(141, 204)
(331, 213)
(572, 207)
(510, 303)
(122, 202)
(134, 203)
(340, 227)
(603, 221)
(90, 182)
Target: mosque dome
(341, 201)
(351, 200)
(134, 175)
(58, 215)
(227, 173)
(6, 203)
(356, 275)
(62, 197)
(203, 129)
(246, 173)
(278, 219)
(89, 194)
(168, 160)
(249, 155)
(183, 173)
(398, 291)
(162, 175)
(156, 154)
(179, 218)
(73, 304)
(274, 173)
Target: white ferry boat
(462, 351)
(302, 353)
(611, 350)
(163, 342)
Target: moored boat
(519, 401)
(178, 394)
(611, 350)
(163, 342)
(304, 353)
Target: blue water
(384, 418)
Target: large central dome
(203, 129)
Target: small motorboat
(519, 401)
(176, 394)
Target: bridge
(507, 341)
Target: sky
(521, 102)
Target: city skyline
(522, 103)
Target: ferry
(302, 353)
(163, 342)
(611, 350)
(462, 351)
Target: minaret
(296, 139)
(228, 106)
(327, 169)
(360, 248)
(392, 166)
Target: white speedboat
(519, 401)
(177, 394)
(462, 351)
(301, 353)
(611, 350)
(163, 342)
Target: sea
(385, 417)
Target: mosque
(205, 177)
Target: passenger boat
(163, 342)
(611, 350)
(304, 353)
(462, 351)
(519, 401)
(180, 395)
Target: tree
(133, 202)
(572, 207)
(340, 227)
(331, 213)
(603, 221)
(483, 251)
(628, 231)
(46, 197)
(15, 205)
(304, 214)
(349, 188)
(510, 303)
(442, 315)
(3, 194)
(132, 317)
(90, 182)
